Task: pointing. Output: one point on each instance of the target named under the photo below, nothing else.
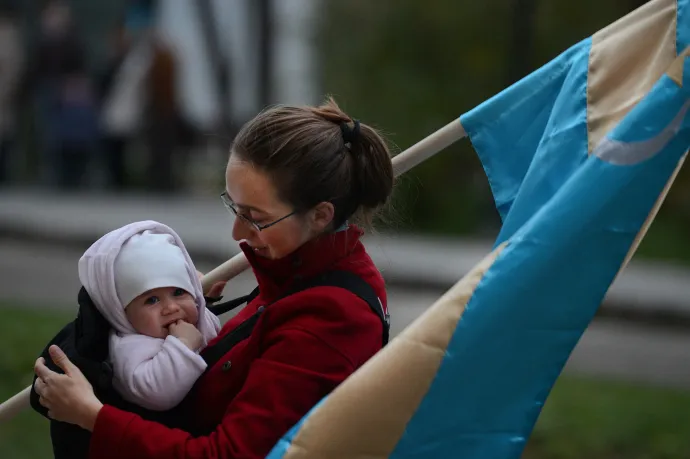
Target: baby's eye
(179, 292)
(151, 300)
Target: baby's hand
(187, 333)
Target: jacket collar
(312, 258)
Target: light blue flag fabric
(570, 217)
(532, 136)
(536, 300)
(520, 134)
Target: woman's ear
(321, 216)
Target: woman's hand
(69, 397)
(216, 289)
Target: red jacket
(301, 348)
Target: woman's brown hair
(317, 154)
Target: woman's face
(256, 198)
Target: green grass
(582, 418)
(666, 242)
(597, 419)
(25, 333)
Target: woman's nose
(241, 229)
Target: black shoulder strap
(355, 284)
(343, 279)
(222, 308)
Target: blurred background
(113, 111)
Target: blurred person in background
(162, 116)
(64, 98)
(139, 97)
(77, 130)
(11, 70)
(114, 138)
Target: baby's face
(152, 312)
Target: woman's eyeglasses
(232, 207)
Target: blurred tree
(634, 4)
(520, 56)
(416, 68)
(410, 67)
(219, 64)
(263, 11)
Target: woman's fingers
(216, 289)
(39, 386)
(68, 397)
(41, 370)
(60, 359)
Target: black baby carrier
(85, 342)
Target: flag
(578, 155)
(534, 135)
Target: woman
(295, 178)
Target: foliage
(27, 332)
(410, 67)
(595, 419)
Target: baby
(142, 280)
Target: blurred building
(252, 37)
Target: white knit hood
(97, 269)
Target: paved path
(608, 349)
(432, 263)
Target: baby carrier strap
(342, 279)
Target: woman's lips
(260, 250)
